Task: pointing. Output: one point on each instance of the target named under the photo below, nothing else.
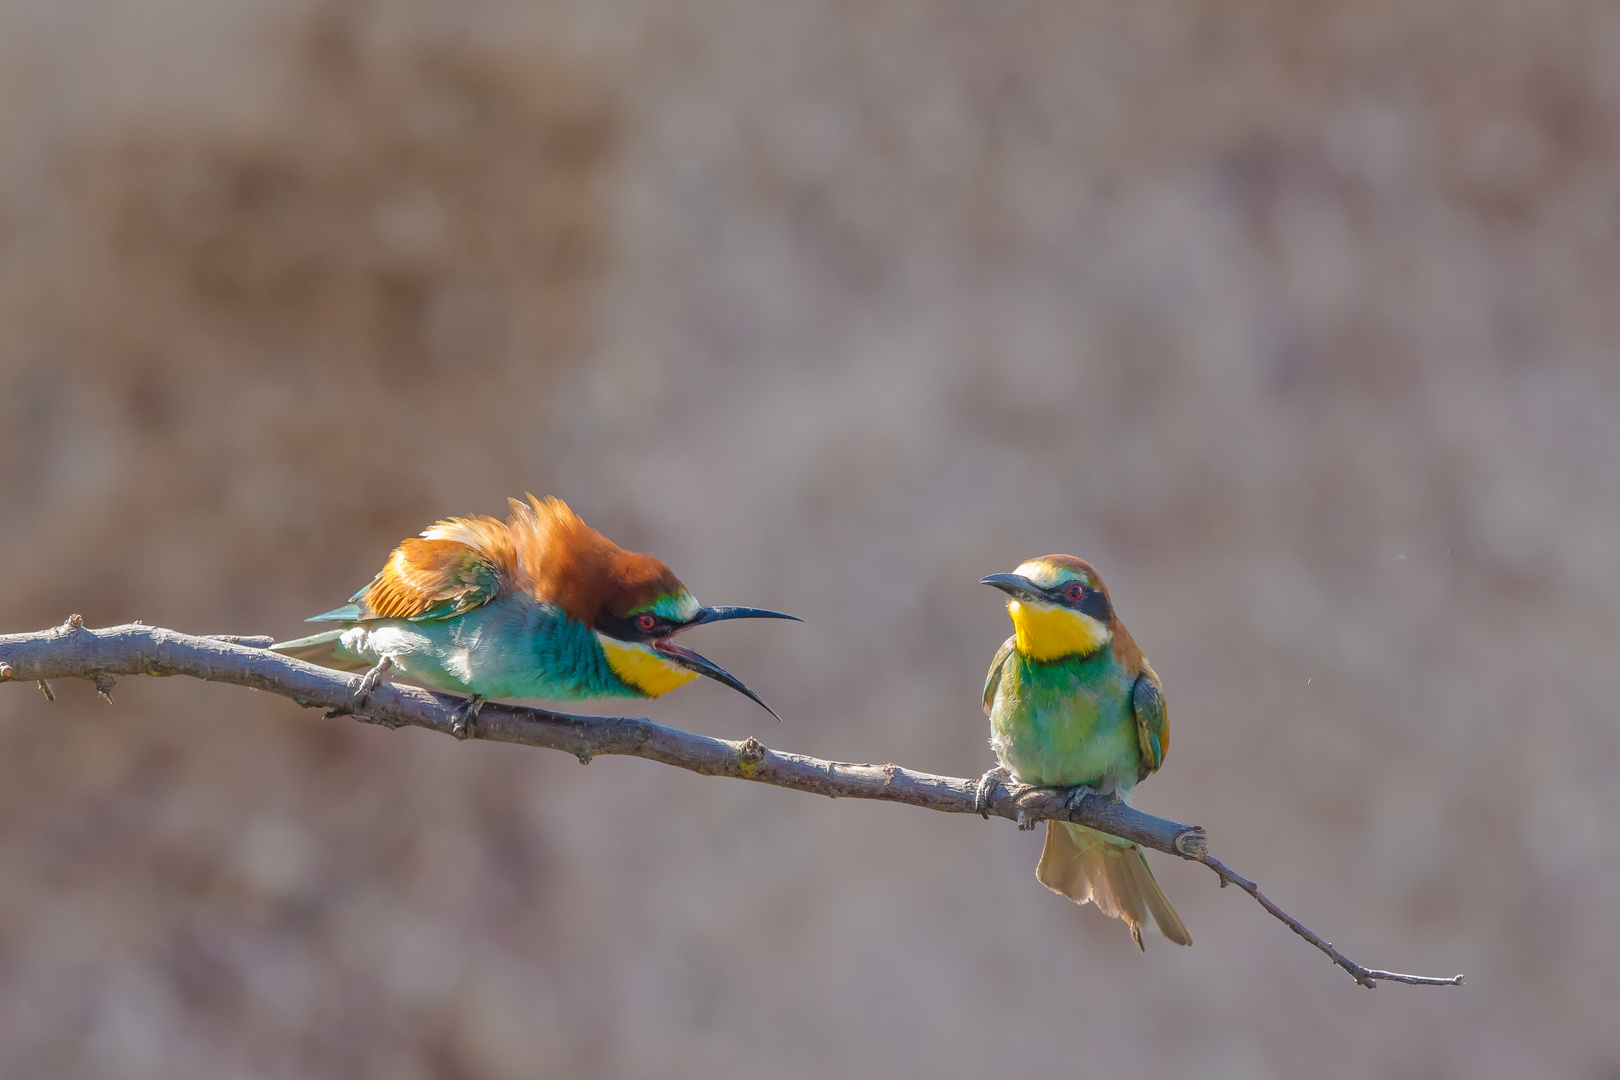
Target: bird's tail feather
(1084, 864)
(321, 649)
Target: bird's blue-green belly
(507, 649)
(1065, 723)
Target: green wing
(993, 680)
(1152, 729)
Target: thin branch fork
(74, 651)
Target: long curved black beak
(704, 666)
(721, 614)
(1013, 585)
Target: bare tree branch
(73, 651)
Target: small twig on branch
(72, 651)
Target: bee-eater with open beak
(1073, 702)
(538, 606)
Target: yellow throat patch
(643, 668)
(1046, 632)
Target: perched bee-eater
(1073, 702)
(538, 606)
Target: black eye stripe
(628, 627)
(1095, 603)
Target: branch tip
(1365, 976)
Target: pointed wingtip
(346, 613)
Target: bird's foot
(984, 794)
(465, 716)
(363, 687)
(1077, 795)
(1071, 802)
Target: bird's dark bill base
(690, 660)
(1019, 588)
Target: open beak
(704, 666)
(721, 614)
(1017, 587)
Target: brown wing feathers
(426, 574)
(542, 548)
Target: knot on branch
(1193, 843)
(6, 674)
(750, 752)
(74, 623)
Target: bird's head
(636, 627)
(1059, 607)
(633, 602)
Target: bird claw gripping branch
(367, 684)
(985, 794)
(464, 719)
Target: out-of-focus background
(1300, 321)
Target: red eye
(1074, 592)
(646, 622)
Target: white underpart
(400, 644)
(459, 664)
(356, 639)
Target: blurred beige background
(1300, 320)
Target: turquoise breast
(512, 648)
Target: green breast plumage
(1066, 722)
